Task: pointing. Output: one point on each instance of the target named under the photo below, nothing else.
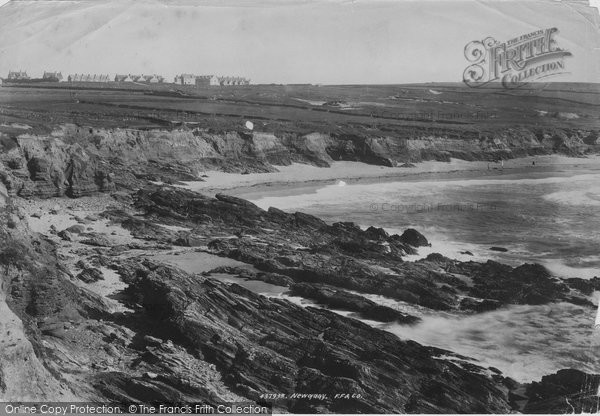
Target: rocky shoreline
(154, 332)
(77, 161)
(88, 209)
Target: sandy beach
(300, 178)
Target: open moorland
(379, 109)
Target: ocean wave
(589, 196)
(559, 268)
(361, 194)
(524, 342)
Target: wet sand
(300, 178)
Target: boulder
(90, 275)
(76, 229)
(500, 249)
(414, 238)
(65, 235)
(378, 234)
(97, 240)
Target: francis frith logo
(514, 63)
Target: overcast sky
(293, 41)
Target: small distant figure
(488, 166)
(533, 163)
(502, 163)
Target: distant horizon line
(317, 84)
(117, 73)
(110, 74)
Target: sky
(285, 41)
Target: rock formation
(75, 160)
(189, 338)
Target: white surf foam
(524, 342)
(589, 196)
(560, 269)
(359, 193)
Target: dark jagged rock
(279, 216)
(585, 286)
(567, 391)
(90, 275)
(377, 234)
(65, 235)
(530, 284)
(145, 229)
(76, 229)
(149, 388)
(340, 299)
(414, 238)
(345, 256)
(190, 240)
(307, 220)
(412, 283)
(437, 258)
(500, 249)
(581, 301)
(97, 240)
(82, 264)
(181, 205)
(275, 346)
(272, 278)
(238, 201)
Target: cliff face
(77, 161)
(505, 144)
(35, 299)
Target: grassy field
(378, 109)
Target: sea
(549, 217)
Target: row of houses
(152, 79)
(209, 80)
(17, 76)
(183, 79)
(88, 78)
(22, 76)
(52, 76)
